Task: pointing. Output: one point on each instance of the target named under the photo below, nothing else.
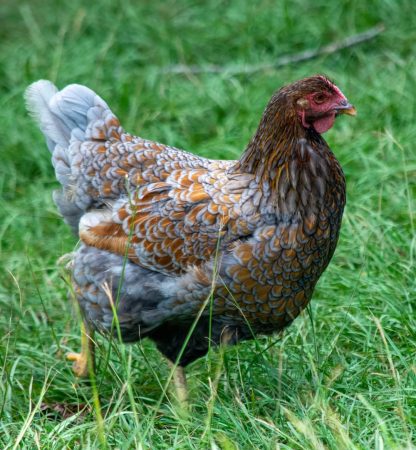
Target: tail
(68, 118)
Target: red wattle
(324, 124)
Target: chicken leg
(84, 362)
(179, 384)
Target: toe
(73, 356)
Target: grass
(349, 381)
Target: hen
(173, 241)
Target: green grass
(347, 382)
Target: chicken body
(167, 235)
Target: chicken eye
(319, 98)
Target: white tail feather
(68, 118)
(62, 114)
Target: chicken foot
(84, 362)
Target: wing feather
(173, 224)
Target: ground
(344, 375)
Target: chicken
(174, 242)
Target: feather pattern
(257, 233)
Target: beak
(346, 108)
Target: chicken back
(172, 240)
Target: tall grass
(349, 381)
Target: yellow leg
(226, 336)
(179, 384)
(84, 362)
